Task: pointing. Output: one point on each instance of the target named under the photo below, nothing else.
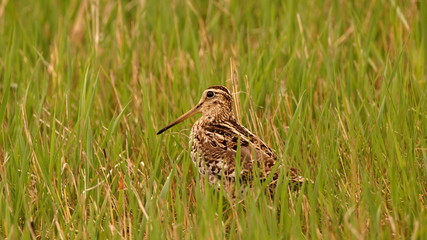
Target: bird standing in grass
(219, 142)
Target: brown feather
(216, 137)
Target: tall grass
(337, 88)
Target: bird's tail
(296, 180)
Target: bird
(219, 143)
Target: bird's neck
(213, 118)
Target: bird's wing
(221, 145)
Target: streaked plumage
(215, 138)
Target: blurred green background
(337, 88)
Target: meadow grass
(337, 88)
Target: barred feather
(216, 137)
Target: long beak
(186, 115)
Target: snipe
(216, 138)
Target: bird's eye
(210, 94)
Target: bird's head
(216, 103)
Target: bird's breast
(195, 142)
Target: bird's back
(215, 147)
